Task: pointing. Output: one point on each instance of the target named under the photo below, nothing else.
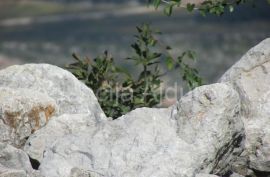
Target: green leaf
(137, 48)
(168, 9)
(190, 7)
(168, 48)
(138, 101)
(156, 3)
(191, 55)
(169, 62)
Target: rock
(13, 161)
(115, 148)
(71, 96)
(76, 172)
(5, 172)
(55, 129)
(205, 175)
(236, 175)
(209, 119)
(13, 173)
(251, 78)
(153, 143)
(5, 130)
(22, 111)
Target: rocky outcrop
(55, 129)
(209, 119)
(205, 175)
(23, 111)
(149, 142)
(215, 130)
(251, 78)
(15, 163)
(71, 96)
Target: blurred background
(49, 31)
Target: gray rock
(209, 119)
(15, 163)
(236, 175)
(205, 175)
(149, 142)
(23, 111)
(12, 173)
(5, 172)
(251, 78)
(72, 96)
(13, 160)
(55, 129)
(76, 172)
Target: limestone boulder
(61, 126)
(71, 96)
(23, 111)
(205, 175)
(251, 78)
(15, 163)
(198, 136)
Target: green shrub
(215, 7)
(117, 90)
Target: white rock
(55, 129)
(76, 172)
(70, 94)
(22, 111)
(13, 160)
(209, 119)
(149, 142)
(205, 175)
(251, 78)
(236, 175)
(13, 173)
(15, 163)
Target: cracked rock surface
(149, 142)
(217, 130)
(250, 76)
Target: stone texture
(155, 142)
(212, 130)
(76, 172)
(13, 173)
(57, 128)
(70, 94)
(209, 119)
(251, 78)
(205, 175)
(23, 111)
(236, 175)
(13, 162)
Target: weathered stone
(76, 172)
(205, 175)
(15, 159)
(23, 111)
(251, 78)
(236, 175)
(70, 94)
(15, 163)
(150, 142)
(209, 119)
(13, 173)
(57, 128)
(5, 172)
